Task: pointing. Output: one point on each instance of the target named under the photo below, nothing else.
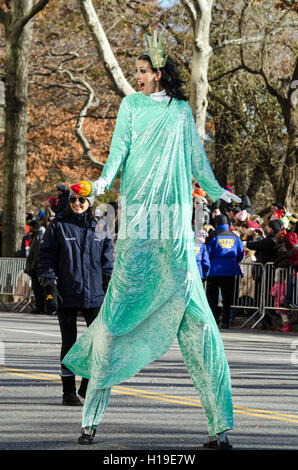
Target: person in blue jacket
(202, 256)
(225, 252)
(76, 260)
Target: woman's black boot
(69, 391)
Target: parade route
(158, 409)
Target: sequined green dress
(155, 293)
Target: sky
(166, 3)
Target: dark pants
(68, 327)
(38, 294)
(226, 285)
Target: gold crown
(156, 51)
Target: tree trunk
(18, 32)
(15, 146)
(200, 12)
(256, 180)
(288, 189)
(222, 162)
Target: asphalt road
(156, 410)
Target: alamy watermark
(142, 221)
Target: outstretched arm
(119, 150)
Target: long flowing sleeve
(120, 144)
(200, 166)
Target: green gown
(155, 293)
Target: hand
(227, 196)
(51, 299)
(260, 231)
(100, 186)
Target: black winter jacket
(79, 258)
(265, 249)
(32, 260)
(62, 204)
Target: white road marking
(30, 331)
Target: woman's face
(148, 81)
(215, 213)
(78, 204)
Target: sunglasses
(81, 199)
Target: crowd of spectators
(226, 234)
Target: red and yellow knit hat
(84, 188)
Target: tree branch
(114, 71)
(252, 39)
(219, 77)
(294, 80)
(189, 6)
(91, 100)
(231, 109)
(34, 10)
(259, 72)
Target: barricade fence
(280, 289)
(15, 284)
(263, 289)
(248, 290)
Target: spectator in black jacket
(31, 265)
(63, 195)
(265, 253)
(75, 266)
(265, 245)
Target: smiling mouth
(141, 86)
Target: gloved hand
(51, 295)
(100, 186)
(228, 197)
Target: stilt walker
(155, 293)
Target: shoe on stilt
(219, 442)
(87, 435)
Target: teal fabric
(155, 292)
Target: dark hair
(34, 224)
(221, 220)
(275, 225)
(170, 79)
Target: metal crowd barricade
(276, 285)
(14, 282)
(248, 291)
(262, 289)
